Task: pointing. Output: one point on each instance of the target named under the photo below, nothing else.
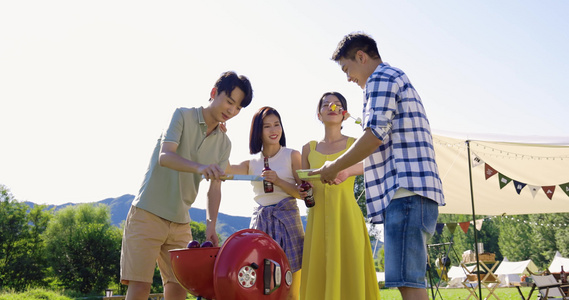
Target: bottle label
(268, 186)
(309, 199)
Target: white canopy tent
(510, 271)
(457, 275)
(490, 176)
(536, 165)
(556, 264)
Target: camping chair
(548, 287)
(487, 279)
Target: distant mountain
(226, 224)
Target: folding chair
(548, 287)
(488, 279)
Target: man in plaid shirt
(403, 188)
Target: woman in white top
(277, 213)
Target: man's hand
(211, 234)
(362, 148)
(212, 171)
(212, 209)
(341, 177)
(327, 173)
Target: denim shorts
(408, 224)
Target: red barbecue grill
(249, 265)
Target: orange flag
(464, 226)
(489, 171)
(549, 190)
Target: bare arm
(170, 159)
(242, 168)
(212, 209)
(361, 149)
(354, 170)
(305, 165)
(289, 188)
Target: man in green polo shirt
(158, 221)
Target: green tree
(460, 241)
(359, 193)
(380, 260)
(562, 234)
(544, 250)
(514, 236)
(12, 230)
(488, 235)
(22, 252)
(84, 248)
(198, 231)
(34, 263)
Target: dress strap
(351, 140)
(313, 145)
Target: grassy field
(386, 294)
(33, 294)
(454, 294)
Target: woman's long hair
(256, 133)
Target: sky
(86, 87)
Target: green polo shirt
(167, 193)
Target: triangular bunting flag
(464, 226)
(533, 190)
(451, 227)
(519, 186)
(549, 190)
(565, 188)
(503, 180)
(479, 224)
(440, 227)
(476, 161)
(489, 171)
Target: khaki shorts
(146, 241)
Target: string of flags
(463, 225)
(478, 224)
(504, 180)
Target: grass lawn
(458, 294)
(33, 294)
(386, 294)
(454, 294)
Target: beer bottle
(267, 185)
(309, 199)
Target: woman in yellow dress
(337, 260)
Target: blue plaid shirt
(406, 159)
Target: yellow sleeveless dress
(337, 261)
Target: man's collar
(201, 120)
(199, 113)
(382, 65)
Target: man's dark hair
(229, 80)
(256, 134)
(354, 42)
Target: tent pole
(474, 219)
